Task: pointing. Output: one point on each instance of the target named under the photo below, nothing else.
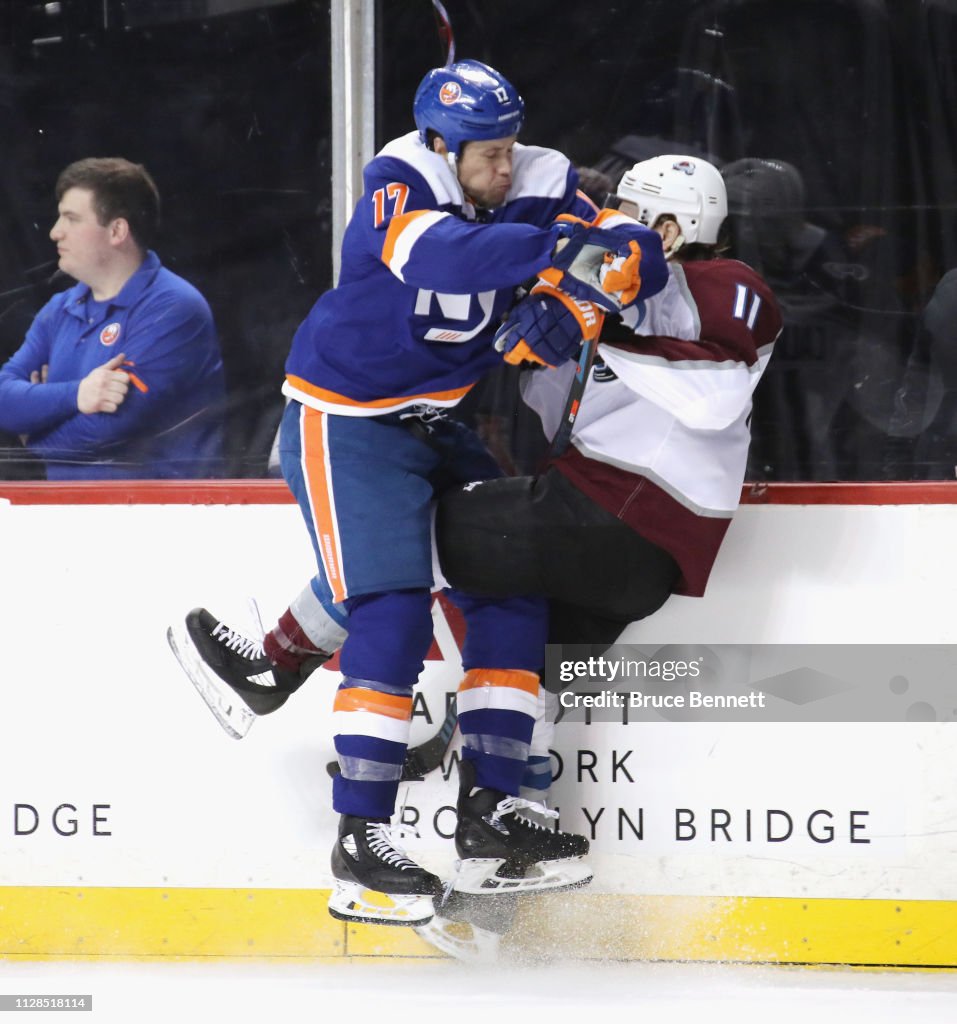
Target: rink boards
(132, 826)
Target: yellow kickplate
(52, 921)
(42, 922)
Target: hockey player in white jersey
(638, 505)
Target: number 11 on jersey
(742, 309)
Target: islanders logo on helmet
(109, 334)
(451, 92)
(467, 102)
(687, 166)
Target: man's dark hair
(431, 135)
(120, 189)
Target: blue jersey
(169, 423)
(423, 284)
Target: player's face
(485, 171)
(82, 242)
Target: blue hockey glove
(547, 327)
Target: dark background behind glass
(853, 100)
(231, 117)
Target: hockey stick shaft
(444, 24)
(427, 756)
(563, 435)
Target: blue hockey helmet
(467, 102)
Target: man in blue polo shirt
(120, 376)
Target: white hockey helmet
(690, 189)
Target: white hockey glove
(599, 265)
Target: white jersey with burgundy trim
(425, 280)
(661, 437)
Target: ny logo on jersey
(742, 310)
(471, 314)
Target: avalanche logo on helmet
(684, 165)
(450, 93)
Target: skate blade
(231, 713)
(484, 876)
(466, 942)
(351, 901)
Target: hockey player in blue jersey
(454, 216)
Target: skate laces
(517, 803)
(383, 842)
(234, 641)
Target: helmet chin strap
(453, 163)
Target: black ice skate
(501, 851)
(376, 882)
(231, 672)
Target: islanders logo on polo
(450, 93)
(110, 333)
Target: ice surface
(423, 991)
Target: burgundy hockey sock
(287, 645)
